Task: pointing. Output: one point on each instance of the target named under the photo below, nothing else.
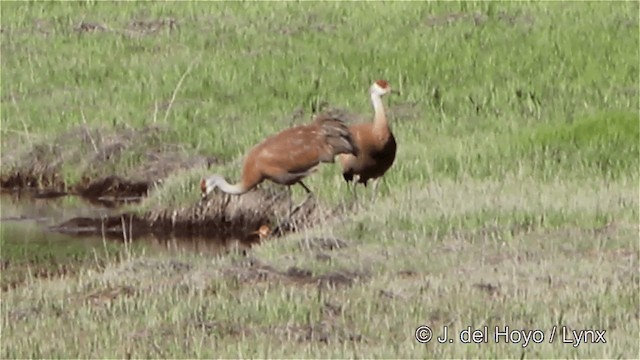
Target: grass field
(513, 200)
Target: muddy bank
(97, 156)
(220, 218)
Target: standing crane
(286, 158)
(375, 142)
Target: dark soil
(253, 270)
(95, 154)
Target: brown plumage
(375, 142)
(289, 156)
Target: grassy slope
(531, 187)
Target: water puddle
(32, 244)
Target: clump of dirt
(97, 155)
(258, 272)
(488, 288)
(253, 270)
(84, 26)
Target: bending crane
(286, 158)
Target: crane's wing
(303, 147)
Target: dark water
(29, 247)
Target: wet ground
(33, 244)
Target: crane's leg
(309, 196)
(374, 190)
(355, 193)
(292, 211)
(290, 201)
(356, 204)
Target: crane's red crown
(382, 83)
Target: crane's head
(209, 184)
(380, 87)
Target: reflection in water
(25, 219)
(24, 206)
(28, 248)
(27, 241)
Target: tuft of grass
(603, 145)
(607, 144)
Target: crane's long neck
(235, 189)
(379, 117)
(219, 181)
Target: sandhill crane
(288, 157)
(375, 142)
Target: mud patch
(107, 295)
(84, 26)
(252, 271)
(478, 18)
(115, 187)
(97, 156)
(488, 288)
(148, 26)
(323, 243)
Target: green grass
(517, 167)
